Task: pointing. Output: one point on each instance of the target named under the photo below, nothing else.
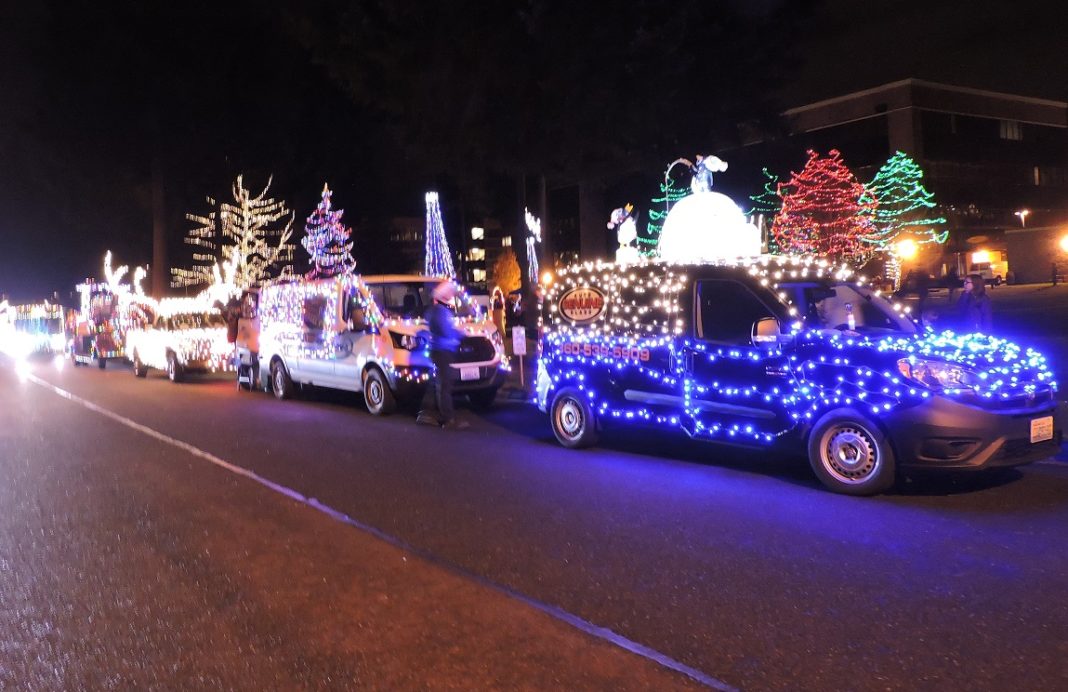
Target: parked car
(990, 273)
(367, 334)
(781, 352)
(181, 343)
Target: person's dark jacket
(444, 334)
(975, 312)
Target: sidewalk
(515, 388)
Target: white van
(367, 334)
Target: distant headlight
(937, 374)
(58, 341)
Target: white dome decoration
(707, 226)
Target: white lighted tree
(249, 235)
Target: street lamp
(906, 249)
(1064, 242)
(1023, 216)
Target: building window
(476, 254)
(1011, 129)
(478, 275)
(478, 233)
(506, 241)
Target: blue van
(792, 353)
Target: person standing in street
(445, 339)
(974, 305)
(1054, 273)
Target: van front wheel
(573, 420)
(850, 454)
(376, 393)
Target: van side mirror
(766, 332)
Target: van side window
(355, 314)
(314, 312)
(726, 311)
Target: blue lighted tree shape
(438, 258)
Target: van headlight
(937, 374)
(407, 342)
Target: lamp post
(1023, 216)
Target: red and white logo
(582, 304)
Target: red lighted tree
(825, 211)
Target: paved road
(736, 566)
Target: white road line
(589, 628)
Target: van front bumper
(489, 377)
(942, 433)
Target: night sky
(387, 99)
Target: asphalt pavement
(195, 536)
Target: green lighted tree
(766, 206)
(904, 205)
(658, 211)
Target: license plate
(472, 374)
(1042, 429)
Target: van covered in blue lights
(788, 352)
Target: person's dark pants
(437, 402)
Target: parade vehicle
(97, 328)
(790, 353)
(181, 340)
(32, 328)
(367, 334)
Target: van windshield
(410, 299)
(846, 307)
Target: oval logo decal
(582, 304)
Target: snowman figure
(624, 221)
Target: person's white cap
(445, 291)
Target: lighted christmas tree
(250, 238)
(658, 211)
(438, 259)
(766, 206)
(327, 240)
(904, 205)
(825, 211)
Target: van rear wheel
(850, 454)
(573, 420)
(281, 382)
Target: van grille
(475, 349)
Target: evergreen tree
(327, 240)
(825, 211)
(766, 206)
